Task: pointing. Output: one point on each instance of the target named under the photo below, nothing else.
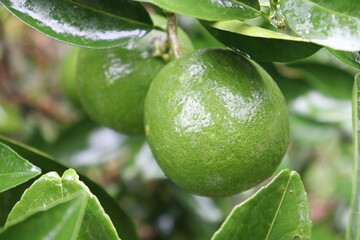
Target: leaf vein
(330, 10)
(278, 209)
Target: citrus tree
(212, 92)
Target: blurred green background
(39, 106)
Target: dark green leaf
(94, 24)
(200, 37)
(353, 230)
(328, 80)
(290, 87)
(211, 10)
(352, 59)
(278, 211)
(331, 23)
(49, 188)
(58, 221)
(252, 3)
(14, 169)
(261, 44)
(8, 200)
(121, 221)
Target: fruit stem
(172, 36)
(276, 16)
(265, 4)
(265, 16)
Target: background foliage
(43, 113)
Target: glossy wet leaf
(261, 44)
(331, 23)
(49, 188)
(211, 10)
(353, 230)
(278, 211)
(14, 169)
(94, 24)
(330, 81)
(352, 59)
(119, 218)
(60, 220)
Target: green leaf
(278, 211)
(8, 200)
(328, 80)
(119, 218)
(353, 230)
(94, 24)
(60, 220)
(200, 37)
(331, 23)
(261, 44)
(14, 169)
(352, 59)
(290, 87)
(211, 10)
(49, 188)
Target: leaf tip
(70, 174)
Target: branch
(172, 35)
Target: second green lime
(112, 83)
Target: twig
(172, 35)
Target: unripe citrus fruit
(216, 122)
(112, 83)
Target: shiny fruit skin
(112, 83)
(216, 122)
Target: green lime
(112, 83)
(216, 122)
